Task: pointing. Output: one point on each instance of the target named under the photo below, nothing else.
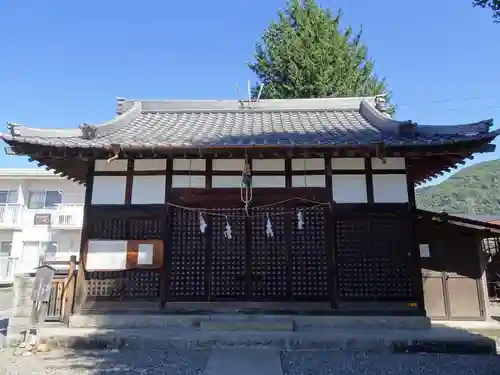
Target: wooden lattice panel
(187, 268)
(125, 228)
(227, 277)
(108, 228)
(145, 229)
(128, 285)
(391, 248)
(373, 258)
(269, 255)
(351, 245)
(309, 257)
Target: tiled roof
(294, 122)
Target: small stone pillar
(22, 290)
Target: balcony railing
(7, 270)
(11, 216)
(68, 216)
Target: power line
(450, 100)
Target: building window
(39, 251)
(44, 199)
(5, 249)
(8, 197)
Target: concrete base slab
(469, 324)
(249, 322)
(440, 339)
(244, 362)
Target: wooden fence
(61, 300)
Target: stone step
(435, 340)
(239, 322)
(249, 324)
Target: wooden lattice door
(228, 256)
(373, 258)
(309, 257)
(187, 257)
(269, 255)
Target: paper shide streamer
(203, 224)
(300, 219)
(227, 231)
(269, 227)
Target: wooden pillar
(482, 283)
(81, 285)
(166, 234)
(330, 236)
(69, 291)
(416, 270)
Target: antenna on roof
(260, 91)
(239, 95)
(249, 91)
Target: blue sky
(64, 62)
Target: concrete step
(247, 324)
(436, 340)
(241, 322)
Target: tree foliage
(494, 5)
(305, 54)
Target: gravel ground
(191, 362)
(328, 363)
(59, 362)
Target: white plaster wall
(308, 164)
(390, 163)
(118, 165)
(226, 181)
(309, 181)
(109, 190)
(228, 164)
(188, 181)
(150, 164)
(148, 189)
(390, 188)
(189, 164)
(348, 163)
(349, 188)
(273, 165)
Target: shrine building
(280, 206)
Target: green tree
(305, 54)
(494, 5)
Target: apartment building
(41, 218)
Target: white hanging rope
(213, 212)
(246, 192)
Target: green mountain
(472, 190)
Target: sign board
(145, 254)
(106, 255)
(41, 219)
(43, 282)
(424, 251)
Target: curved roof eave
(21, 131)
(387, 124)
